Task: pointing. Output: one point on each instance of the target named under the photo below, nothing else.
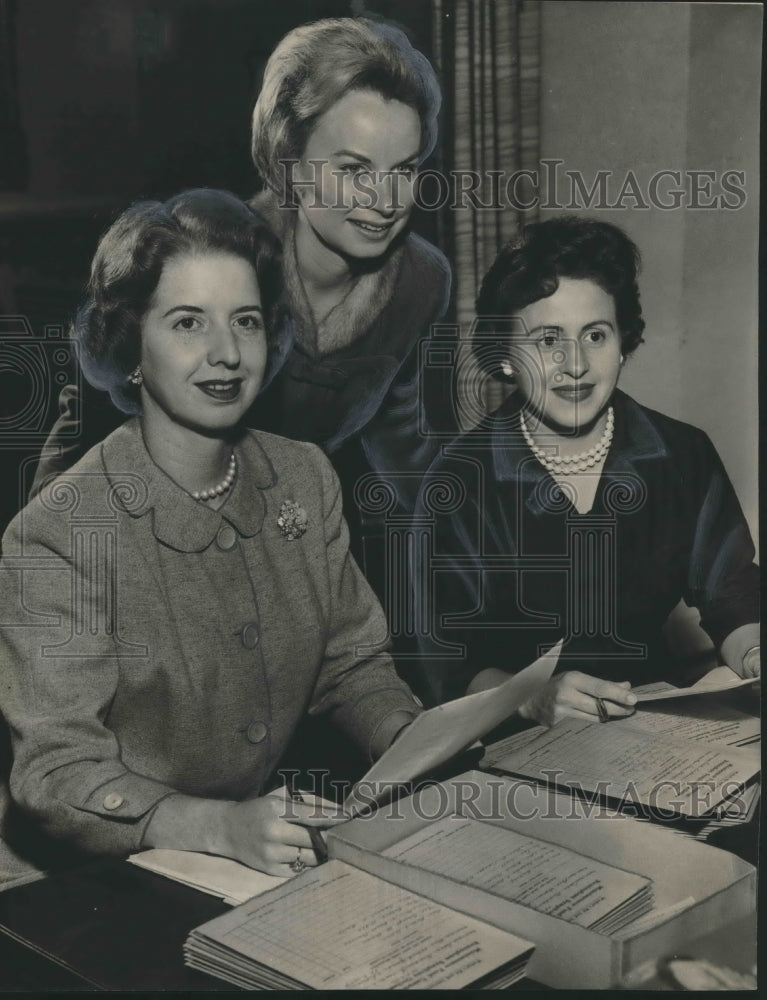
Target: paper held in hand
(440, 733)
(716, 681)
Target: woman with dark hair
(347, 112)
(185, 594)
(573, 511)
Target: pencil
(318, 844)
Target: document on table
(715, 681)
(229, 880)
(439, 733)
(336, 927)
(614, 760)
(700, 722)
(543, 876)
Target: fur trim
(353, 316)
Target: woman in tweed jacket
(184, 595)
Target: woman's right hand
(268, 832)
(573, 694)
(265, 833)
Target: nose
(576, 362)
(388, 198)
(223, 347)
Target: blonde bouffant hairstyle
(314, 66)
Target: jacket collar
(636, 439)
(140, 488)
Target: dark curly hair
(529, 267)
(127, 267)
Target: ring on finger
(299, 864)
(604, 715)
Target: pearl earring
(136, 377)
(507, 370)
(622, 359)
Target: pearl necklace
(223, 486)
(568, 465)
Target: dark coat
(510, 567)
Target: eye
(187, 323)
(549, 338)
(353, 168)
(406, 170)
(249, 321)
(596, 336)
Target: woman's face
(566, 357)
(203, 343)
(354, 182)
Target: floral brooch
(292, 520)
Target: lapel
(141, 488)
(635, 440)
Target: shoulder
(291, 461)
(426, 258)
(424, 276)
(78, 492)
(679, 438)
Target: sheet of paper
(537, 874)
(220, 877)
(617, 761)
(716, 680)
(502, 748)
(440, 733)
(708, 721)
(336, 927)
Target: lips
(222, 390)
(372, 230)
(574, 393)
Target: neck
(193, 460)
(321, 268)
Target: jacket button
(249, 636)
(226, 538)
(256, 732)
(113, 801)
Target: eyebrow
(366, 159)
(197, 309)
(556, 326)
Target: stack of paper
(666, 775)
(543, 876)
(229, 880)
(699, 720)
(336, 927)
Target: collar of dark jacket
(636, 439)
(140, 487)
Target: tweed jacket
(153, 645)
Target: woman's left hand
(576, 695)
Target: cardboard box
(697, 888)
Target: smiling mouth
(223, 391)
(371, 228)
